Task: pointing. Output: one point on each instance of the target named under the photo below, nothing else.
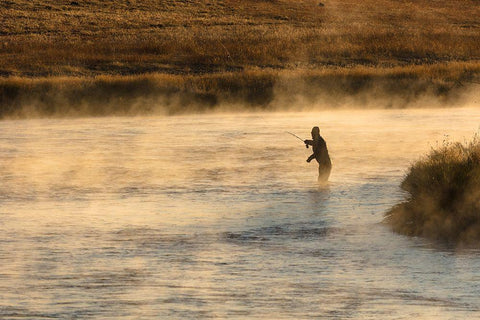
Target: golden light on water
(220, 216)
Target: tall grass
(131, 56)
(443, 196)
(254, 89)
(89, 38)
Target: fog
(220, 216)
(104, 153)
(156, 95)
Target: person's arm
(308, 142)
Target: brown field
(202, 53)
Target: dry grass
(85, 38)
(214, 42)
(444, 192)
(273, 89)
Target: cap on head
(315, 131)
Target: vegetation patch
(248, 90)
(199, 54)
(443, 200)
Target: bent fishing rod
(293, 134)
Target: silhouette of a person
(320, 153)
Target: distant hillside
(51, 37)
(201, 42)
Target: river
(220, 216)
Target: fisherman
(320, 153)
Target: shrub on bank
(443, 196)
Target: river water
(219, 216)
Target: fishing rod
(293, 134)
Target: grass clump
(443, 196)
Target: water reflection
(130, 218)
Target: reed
(266, 89)
(443, 196)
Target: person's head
(315, 132)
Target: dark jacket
(320, 152)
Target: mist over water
(219, 216)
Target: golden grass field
(83, 55)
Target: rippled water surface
(219, 216)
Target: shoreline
(445, 84)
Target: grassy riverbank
(443, 196)
(232, 91)
(203, 54)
